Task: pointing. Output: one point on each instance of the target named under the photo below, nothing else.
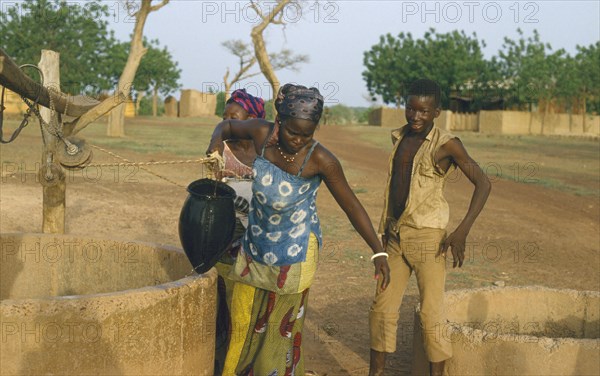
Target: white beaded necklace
(285, 157)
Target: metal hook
(48, 174)
(72, 149)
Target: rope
(214, 163)
(54, 127)
(141, 165)
(23, 124)
(32, 107)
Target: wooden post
(54, 196)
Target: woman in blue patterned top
(279, 255)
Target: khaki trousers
(411, 250)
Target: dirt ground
(526, 235)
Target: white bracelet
(379, 254)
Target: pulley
(74, 152)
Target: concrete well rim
(547, 342)
(161, 289)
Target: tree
(589, 73)
(534, 71)
(340, 114)
(285, 59)
(145, 107)
(78, 33)
(246, 60)
(270, 110)
(220, 107)
(116, 119)
(516, 66)
(275, 16)
(569, 85)
(157, 73)
(363, 115)
(452, 59)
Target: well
(518, 331)
(80, 306)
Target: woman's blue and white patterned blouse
(282, 214)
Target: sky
(335, 34)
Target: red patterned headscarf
(253, 105)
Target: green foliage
(588, 59)
(451, 59)
(220, 104)
(363, 115)
(157, 74)
(536, 74)
(339, 114)
(158, 71)
(569, 86)
(534, 70)
(526, 72)
(343, 115)
(91, 59)
(269, 110)
(146, 107)
(78, 33)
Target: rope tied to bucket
(142, 165)
(214, 163)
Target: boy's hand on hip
(456, 242)
(382, 270)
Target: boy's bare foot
(437, 368)
(377, 363)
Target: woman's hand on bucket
(216, 145)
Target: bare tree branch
(94, 114)
(285, 59)
(246, 61)
(257, 9)
(279, 20)
(132, 8)
(158, 6)
(116, 119)
(226, 75)
(260, 49)
(270, 17)
(249, 75)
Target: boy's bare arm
(456, 240)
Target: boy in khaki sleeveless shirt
(413, 225)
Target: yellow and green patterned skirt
(268, 308)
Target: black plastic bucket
(207, 222)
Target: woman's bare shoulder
(324, 158)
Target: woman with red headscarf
(238, 156)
